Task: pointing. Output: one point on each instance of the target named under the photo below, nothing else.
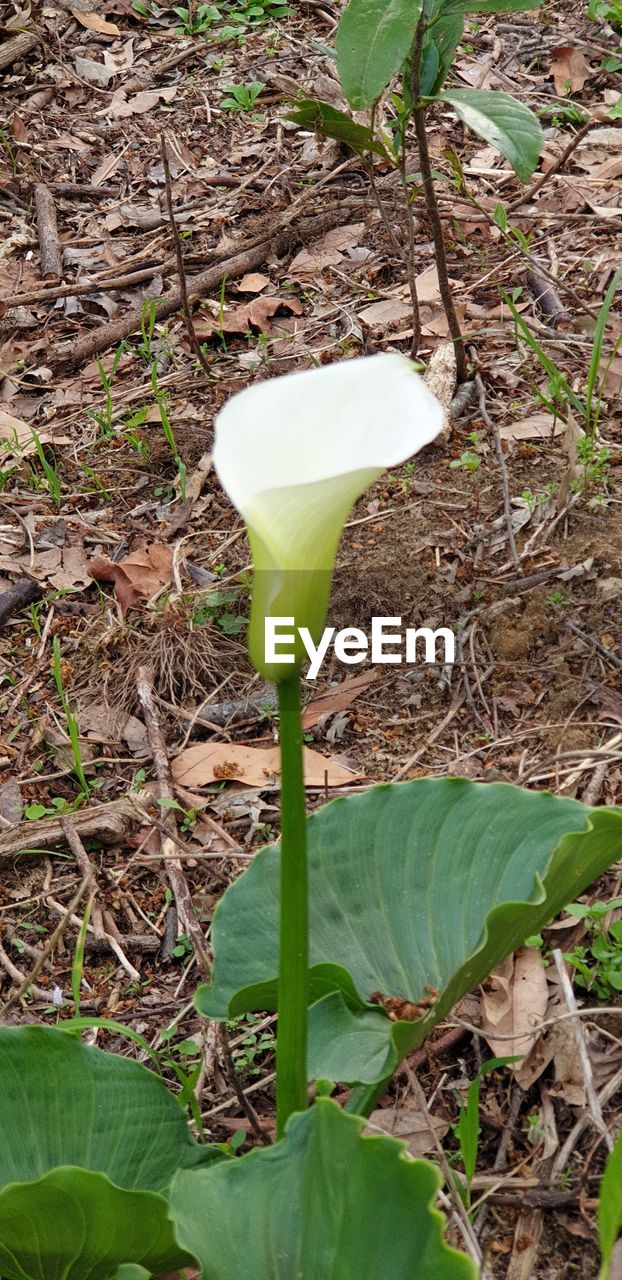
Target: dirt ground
(303, 271)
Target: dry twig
(183, 901)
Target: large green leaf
(63, 1103)
(424, 884)
(75, 1225)
(323, 1204)
(610, 1207)
(319, 117)
(500, 120)
(373, 39)
(90, 1143)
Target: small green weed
(70, 720)
(598, 960)
(252, 1047)
(241, 97)
(215, 606)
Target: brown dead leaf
(95, 72)
(139, 577)
(73, 570)
(326, 252)
(381, 315)
(101, 723)
(256, 314)
(538, 426)
(19, 434)
(256, 766)
(93, 22)
(418, 1131)
(342, 238)
(337, 699)
(569, 1077)
(18, 129)
(570, 70)
(514, 1005)
(254, 282)
(122, 106)
(572, 434)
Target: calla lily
(294, 453)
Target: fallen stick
(109, 823)
(47, 232)
(99, 927)
(92, 286)
(17, 47)
(21, 593)
(49, 946)
(107, 335)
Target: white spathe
(294, 453)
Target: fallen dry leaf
(11, 803)
(573, 433)
(256, 314)
(256, 766)
(254, 282)
(96, 72)
(418, 1131)
(101, 723)
(336, 699)
(382, 314)
(569, 1077)
(122, 106)
(93, 22)
(570, 70)
(326, 252)
(514, 1005)
(19, 434)
(538, 426)
(139, 577)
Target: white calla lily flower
(294, 453)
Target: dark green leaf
(323, 1204)
(373, 39)
(75, 1225)
(426, 884)
(318, 117)
(500, 120)
(610, 1207)
(90, 1143)
(444, 37)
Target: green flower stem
(293, 1000)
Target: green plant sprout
(196, 22)
(589, 408)
(103, 417)
(467, 1128)
(241, 97)
(147, 353)
(610, 1209)
(215, 605)
(609, 11)
(50, 470)
(73, 732)
(598, 961)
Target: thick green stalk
(293, 999)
